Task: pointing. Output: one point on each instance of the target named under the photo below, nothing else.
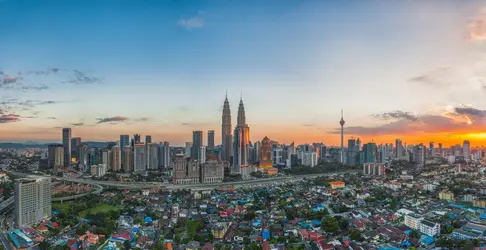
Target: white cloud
(192, 23)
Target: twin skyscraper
(235, 148)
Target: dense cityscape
(242, 125)
(134, 194)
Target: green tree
(355, 234)
(415, 234)
(44, 245)
(330, 224)
(127, 245)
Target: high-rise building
(211, 139)
(185, 171)
(164, 155)
(213, 171)
(124, 141)
(266, 159)
(127, 159)
(257, 147)
(202, 155)
(55, 155)
(419, 155)
(370, 150)
(226, 137)
(399, 149)
(152, 156)
(197, 143)
(440, 149)
(137, 139)
(431, 149)
(66, 142)
(148, 139)
(32, 201)
(139, 157)
(241, 141)
(82, 155)
(188, 150)
(74, 146)
(466, 150)
(374, 169)
(106, 158)
(115, 158)
(341, 122)
(351, 159)
(457, 150)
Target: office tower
(185, 171)
(213, 171)
(115, 158)
(136, 139)
(358, 145)
(82, 155)
(202, 155)
(152, 156)
(148, 139)
(197, 143)
(66, 142)
(369, 150)
(164, 155)
(226, 137)
(139, 157)
(32, 201)
(211, 139)
(399, 149)
(74, 146)
(341, 122)
(93, 156)
(106, 158)
(431, 148)
(257, 147)
(351, 159)
(55, 155)
(266, 159)
(419, 155)
(466, 150)
(127, 159)
(440, 149)
(457, 150)
(241, 140)
(188, 150)
(124, 141)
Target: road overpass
(148, 185)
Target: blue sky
(165, 65)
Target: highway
(148, 185)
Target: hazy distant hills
(44, 145)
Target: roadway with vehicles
(148, 185)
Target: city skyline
(418, 74)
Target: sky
(414, 70)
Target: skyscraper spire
(241, 119)
(226, 137)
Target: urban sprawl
(261, 195)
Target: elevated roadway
(148, 185)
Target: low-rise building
(429, 228)
(337, 184)
(446, 195)
(413, 221)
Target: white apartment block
(32, 201)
